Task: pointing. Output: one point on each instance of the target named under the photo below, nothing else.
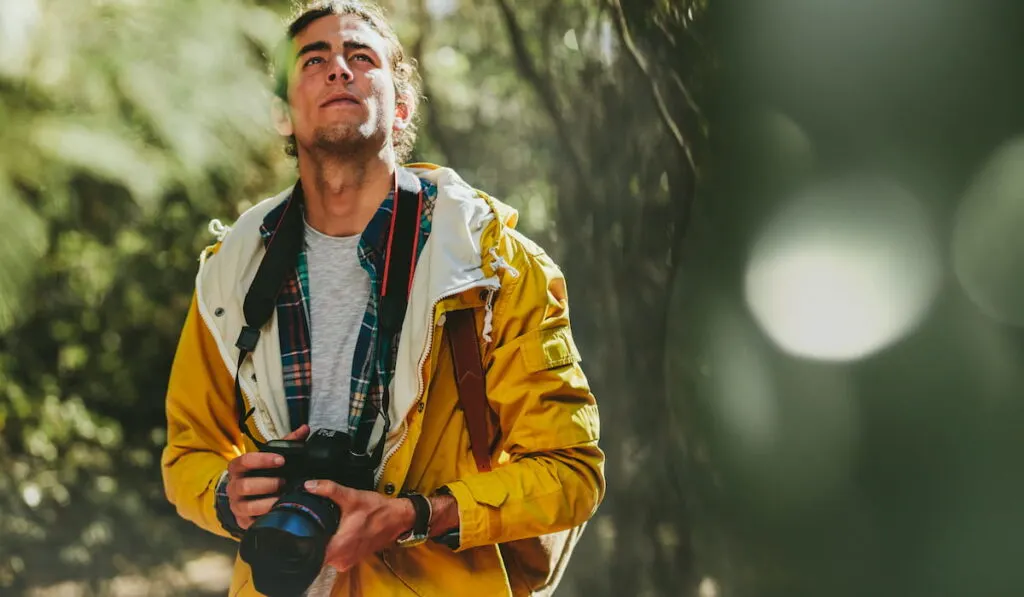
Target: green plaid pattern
(371, 372)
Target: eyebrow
(355, 45)
(322, 46)
(317, 46)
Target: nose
(341, 70)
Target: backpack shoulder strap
(470, 382)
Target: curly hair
(403, 67)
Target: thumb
(299, 434)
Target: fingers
(252, 508)
(254, 461)
(245, 487)
(299, 434)
(339, 494)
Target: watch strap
(421, 525)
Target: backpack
(534, 565)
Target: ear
(282, 117)
(404, 112)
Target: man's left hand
(370, 522)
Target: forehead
(338, 29)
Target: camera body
(286, 546)
(327, 454)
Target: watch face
(412, 540)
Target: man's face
(341, 93)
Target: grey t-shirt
(339, 289)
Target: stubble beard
(349, 140)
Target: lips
(341, 99)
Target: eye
(311, 61)
(365, 57)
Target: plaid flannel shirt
(371, 372)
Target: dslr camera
(286, 546)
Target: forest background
(790, 230)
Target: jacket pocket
(549, 348)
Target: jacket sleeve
(202, 433)
(548, 417)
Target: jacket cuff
(478, 498)
(223, 507)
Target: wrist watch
(420, 531)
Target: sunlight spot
(708, 587)
(210, 572)
(440, 9)
(608, 43)
(569, 39)
(31, 494)
(446, 57)
(105, 484)
(18, 20)
(987, 244)
(843, 271)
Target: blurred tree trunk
(633, 135)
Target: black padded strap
(399, 261)
(282, 254)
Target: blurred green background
(791, 233)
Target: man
(324, 360)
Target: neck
(343, 194)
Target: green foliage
(127, 125)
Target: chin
(347, 139)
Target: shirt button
(421, 406)
(389, 488)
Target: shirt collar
(374, 235)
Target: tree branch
(544, 89)
(641, 62)
(691, 102)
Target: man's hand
(252, 497)
(370, 522)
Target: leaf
(23, 241)
(107, 153)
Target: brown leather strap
(470, 381)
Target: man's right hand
(252, 497)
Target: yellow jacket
(548, 471)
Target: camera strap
(282, 253)
(470, 383)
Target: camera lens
(285, 547)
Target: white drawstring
(218, 229)
(488, 317)
(498, 263)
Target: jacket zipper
(420, 388)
